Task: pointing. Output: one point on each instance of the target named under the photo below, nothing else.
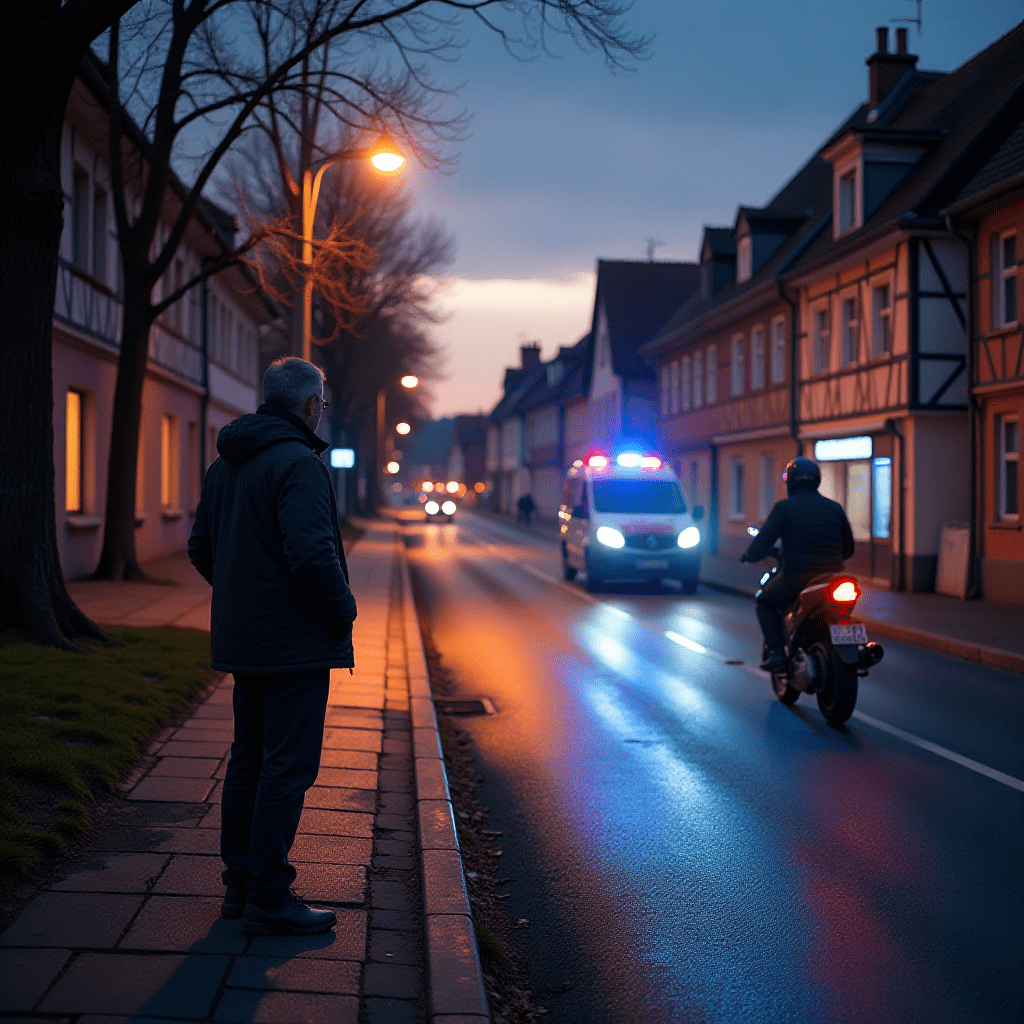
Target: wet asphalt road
(686, 848)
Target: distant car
(626, 518)
(443, 509)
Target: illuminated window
(170, 466)
(73, 461)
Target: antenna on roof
(911, 21)
(652, 244)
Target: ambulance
(624, 517)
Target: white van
(626, 518)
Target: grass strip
(72, 724)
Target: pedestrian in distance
(526, 505)
(266, 536)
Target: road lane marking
(692, 645)
(934, 748)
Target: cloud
(490, 319)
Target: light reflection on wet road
(686, 848)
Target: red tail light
(845, 592)
(598, 461)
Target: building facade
(201, 372)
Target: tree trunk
(32, 592)
(118, 559)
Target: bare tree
(50, 38)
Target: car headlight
(431, 508)
(448, 508)
(689, 538)
(610, 537)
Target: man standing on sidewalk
(266, 537)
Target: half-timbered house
(881, 382)
(989, 213)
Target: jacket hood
(243, 438)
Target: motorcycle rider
(816, 539)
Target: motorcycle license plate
(848, 633)
(652, 563)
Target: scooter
(827, 649)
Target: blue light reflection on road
(721, 868)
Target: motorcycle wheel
(838, 696)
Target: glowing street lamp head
(410, 380)
(386, 156)
(402, 428)
(393, 467)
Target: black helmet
(802, 474)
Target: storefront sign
(841, 449)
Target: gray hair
(289, 382)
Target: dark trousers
(777, 595)
(275, 758)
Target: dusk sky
(569, 162)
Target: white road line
(692, 645)
(949, 755)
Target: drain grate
(465, 706)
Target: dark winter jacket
(815, 533)
(266, 536)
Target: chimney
(886, 69)
(529, 356)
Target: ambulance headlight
(689, 538)
(610, 537)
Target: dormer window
(846, 201)
(744, 259)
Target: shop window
(779, 351)
(881, 321)
(736, 379)
(850, 331)
(170, 462)
(74, 459)
(881, 497)
(757, 358)
(684, 383)
(711, 385)
(1009, 467)
(1006, 279)
(737, 473)
(849, 483)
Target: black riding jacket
(815, 533)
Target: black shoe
(234, 902)
(289, 917)
(776, 661)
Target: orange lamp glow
(403, 428)
(410, 380)
(428, 486)
(393, 467)
(479, 487)
(387, 158)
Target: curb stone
(454, 979)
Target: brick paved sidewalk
(133, 928)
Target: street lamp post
(387, 158)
